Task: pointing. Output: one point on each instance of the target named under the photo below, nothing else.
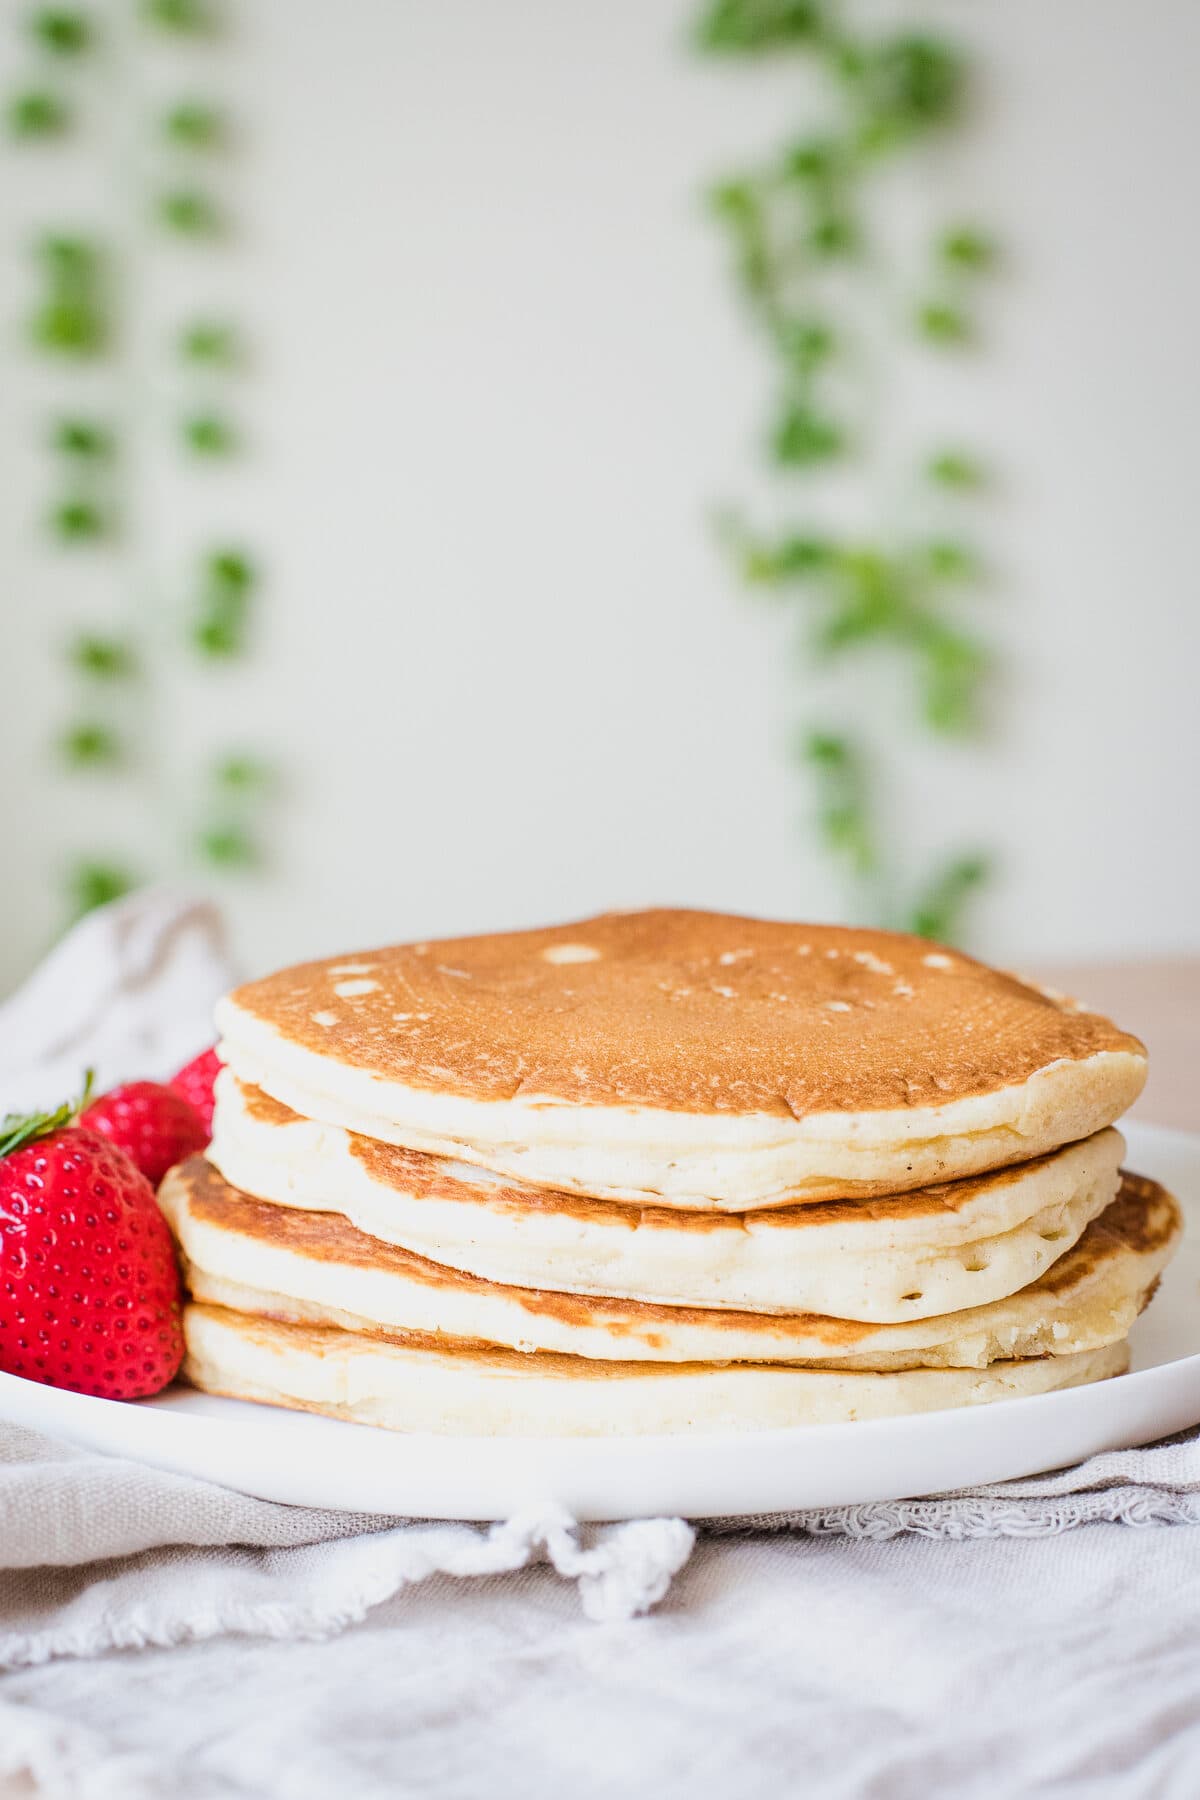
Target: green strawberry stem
(19, 1129)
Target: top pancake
(699, 1058)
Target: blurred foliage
(186, 18)
(83, 438)
(38, 113)
(222, 615)
(208, 434)
(72, 314)
(103, 658)
(804, 256)
(90, 744)
(62, 31)
(194, 125)
(93, 881)
(78, 520)
(190, 211)
(112, 663)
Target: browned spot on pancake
(684, 1011)
(1144, 1215)
(1143, 1218)
(261, 1106)
(424, 1177)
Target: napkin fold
(100, 1554)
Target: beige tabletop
(1160, 1000)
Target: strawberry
(90, 1293)
(152, 1124)
(195, 1083)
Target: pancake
(934, 1250)
(315, 1268)
(686, 1058)
(419, 1385)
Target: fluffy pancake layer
(419, 1385)
(687, 1059)
(311, 1268)
(932, 1251)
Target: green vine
(799, 226)
(76, 320)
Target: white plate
(310, 1461)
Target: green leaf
(190, 18)
(798, 557)
(843, 801)
(78, 521)
(806, 343)
(105, 658)
(19, 1129)
(737, 201)
(230, 569)
(803, 555)
(194, 125)
(803, 436)
(190, 212)
(955, 469)
(857, 620)
(220, 627)
(218, 637)
(69, 328)
(209, 435)
(817, 160)
(70, 261)
(740, 26)
(243, 774)
(826, 751)
(953, 670)
(833, 234)
(847, 832)
(739, 206)
(941, 322)
(948, 560)
(937, 912)
(63, 32)
(89, 744)
(93, 882)
(906, 86)
(209, 341)
(229, 845)
(82, 438)
(963, 247)
(38, 113)
(71, 319)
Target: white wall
(502, 375)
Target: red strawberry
(89, 1289)
(195, 1083)
(152, 1124)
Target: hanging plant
(74, 320)
(798, 227)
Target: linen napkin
(100, 1554)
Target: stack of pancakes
(660, 1172)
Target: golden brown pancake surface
(682, 1011)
